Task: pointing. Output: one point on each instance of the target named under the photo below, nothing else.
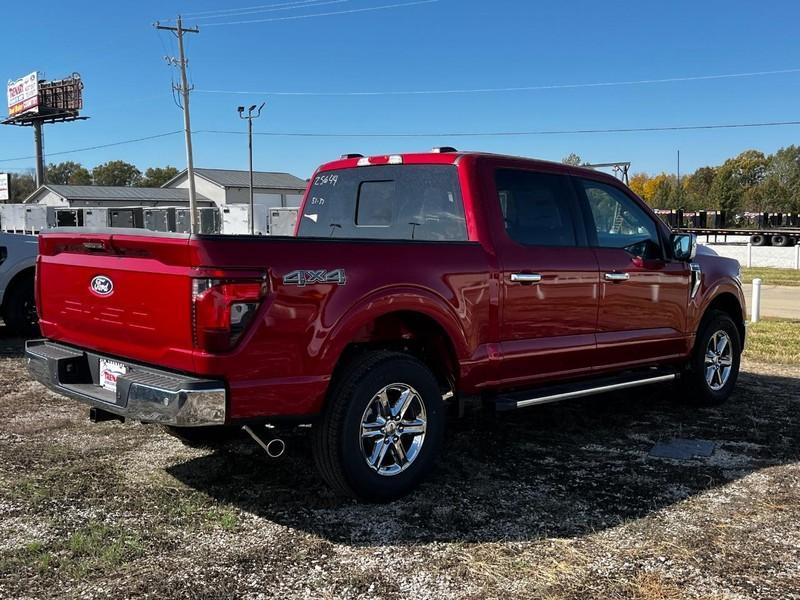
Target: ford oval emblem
(102, 285)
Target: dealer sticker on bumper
(109, 372)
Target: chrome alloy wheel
(393, 429)
(718, 360)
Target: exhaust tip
(275, 448)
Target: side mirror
(684, 246)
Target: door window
(619, 222)
(536, 208)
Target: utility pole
(680, 195)
(38, 142)
(250, 116)
(184, 89)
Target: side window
(536, 207)
(620, 222)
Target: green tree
(67, 172)
(572, 159)
(157, 176)
(736, 182)
(697, 188)
(726, 192)
(116, 172)
(781, 186)
(20, 186)
(664, 193)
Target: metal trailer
(260, 219)
(183, 222)
(35, 217)
(208, 220)
(65, 217)
(126, 217)
(282, 221)
(95, 216)
(12, 217)
(758, 237)
(159, 219)
(235, 219)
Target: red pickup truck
(414, 282)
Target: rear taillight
(222, 309)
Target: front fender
(711, 291)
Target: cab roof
(449, 156)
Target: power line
(324, 14)
(315, 4)
(558, 86)
(236, 10)
(431, 134)
(444, 134)
(97, 147)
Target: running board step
(580, 389)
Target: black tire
(781, 241)
(203, 437)
(338, 447)
(19, 308)
(758, 240)
(695, 387)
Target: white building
(80, 196)
(225, 187)
(220, 187)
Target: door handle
(617, 276)
(526, 277)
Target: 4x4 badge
(303, 277)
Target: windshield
(395, 202)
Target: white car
(17, 268)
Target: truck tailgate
(124, 294)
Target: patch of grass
(226, 518)
(774, 341)
(94, 548)
(770, 276)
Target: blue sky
(446, 44)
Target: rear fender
(330, 347)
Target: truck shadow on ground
(557, 470)
(10, 345)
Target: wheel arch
(415, 324)
(729, 304)
(15, 280)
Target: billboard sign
(3, 187)
(23, 95)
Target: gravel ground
(762, 256)
(560, 501)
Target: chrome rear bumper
(143, 393)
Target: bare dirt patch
(558, 501)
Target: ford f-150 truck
(413, 282)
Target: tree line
(114, 172)
(750, 182)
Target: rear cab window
(385, 202)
